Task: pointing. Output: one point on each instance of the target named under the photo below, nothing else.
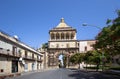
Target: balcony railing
(16, 54)
(9, 53)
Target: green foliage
(91, 67)
(115, 68)
(118, 13)
(108, 21)
(65, 61)
(92, 57)
(77, 58)
(108, 39)
(45, 45)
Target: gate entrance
(60, 59)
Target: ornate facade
(62, 41)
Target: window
(85, 48)
(57, 36)
(72, 36)
(67, 35)
(20, 53)
(14, 50)
(32, 55)
(38, 58)
(78, 44)
(52, 36)
(25, 53)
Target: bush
(91, 67)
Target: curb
(111, 72)
(9, 75)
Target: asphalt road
(65, 74)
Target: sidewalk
(9, 75)
(4, 76)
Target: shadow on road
(78, 74)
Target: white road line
(91, 78)
(83, 78)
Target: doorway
(60, 58)
(14, 66)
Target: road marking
(91, 78)
(83, 78)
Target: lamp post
(85, 24)
(102, 56)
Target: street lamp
(102, 57)
(85, 24)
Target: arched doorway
(60, 59)
(63, 60)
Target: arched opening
(60, 58)
(62, 35)
(57, 36)
(52, 36)
(67, 35)
(72, 35)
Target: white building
(62, 41)
(86, 45)
(17, 57)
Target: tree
(108, 40)
(77, 58)
(45, 46)
(64, 61)
(92, 57)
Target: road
(66, 74)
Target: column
(55, 35)
(64, 36)
(70, 36)
(60, 36)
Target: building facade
(17, 57)
(62, 42)
(44, 58)
(86, 45)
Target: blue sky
(31, 20)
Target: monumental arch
(62, 41)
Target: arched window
(52, 36)
(62, 35)
(57, 36)
(67, 35)
(72, 35)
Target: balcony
(7, 52)
(29, 57)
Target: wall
(5, 65)
(82, 46)
(62, 44)
(5, 45)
